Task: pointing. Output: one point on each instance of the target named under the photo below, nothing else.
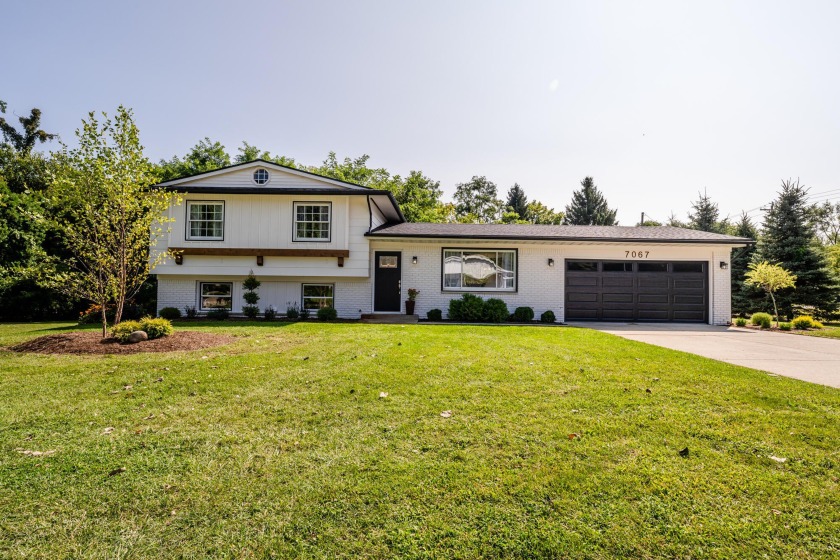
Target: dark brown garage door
(637, 291)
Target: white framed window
(261, 176)
(215, 295)
(316, 296)
(312, 221)
(487, 270)
(205, 220)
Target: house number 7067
(636, 254)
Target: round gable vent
(261, 176)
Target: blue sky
(656, 100)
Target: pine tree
(789, 240)
(589, 207)
(517, 201)
(705, 216)
(745, 298)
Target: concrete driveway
(802, 357)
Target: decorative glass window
(479, 270)
(216, 295)
(312, 222)
(316, 296)
(206, 221)
(261, 177)
(388, 261)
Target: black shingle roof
(648, 234)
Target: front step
(390, 318)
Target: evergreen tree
(745, 298)
(789, 240)
(705, 215)
(517, 201)
(589, 207)
(476, 201)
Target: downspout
(370, 214)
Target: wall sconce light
(259, 260)
(550, 262)
(179, 258)
(724, 265)
(413, 260)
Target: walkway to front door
(387, 282)
(802, 357)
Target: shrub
(305, 313)
(762, 320)
(434, 315)
(251, 311)
(523, 314)
(122, 331)
(292, 311)
(804, 322)
(495, 311)
(156, 328)
(190, 311)
(270, 313)
(785, 326)
(170, 313)
(470, 308)
(218, 314)
(740, 322)
(327, 314)
(548, 317)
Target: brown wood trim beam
(229, 252)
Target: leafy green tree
(477, 200)
(24, 141)
(204, 156)
(538, 213)
(745, 297)
(826, 217)
(419, 198)
(789, 238)
(355, 170)
(517, 202)
(107, 213)
(247, 153)
(771, 278)
(589, 207)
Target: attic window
(261, 176)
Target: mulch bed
(91, 342)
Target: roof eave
(731, 242)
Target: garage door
(637, 291)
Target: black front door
(386, 281)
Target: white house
(314, 241)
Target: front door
(386, 282)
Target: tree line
(44, 226)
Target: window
(206, 221)
(653, 267)
(388, 261)
(479, 270)
(261, 176)
(312, 222)
(216, 295)
(582, 266)
(618, 266)
(687, 267)
(316, 296)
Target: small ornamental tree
(250, 295)
(771, 278)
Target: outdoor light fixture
(259, 260)
(724, 265)
(179, 258)
(550, 262)
(413, 260)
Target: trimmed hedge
(468, 309)
(327, 314)
(523, 314)
(785, 326)
(548, 317)
(434, 315)
(170, 313)
(496, 311)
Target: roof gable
(280, 176)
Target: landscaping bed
(91, 342)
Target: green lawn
(279, 445)
(829, 330)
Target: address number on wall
(636, 254)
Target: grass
(279, 445)
(829, 330)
